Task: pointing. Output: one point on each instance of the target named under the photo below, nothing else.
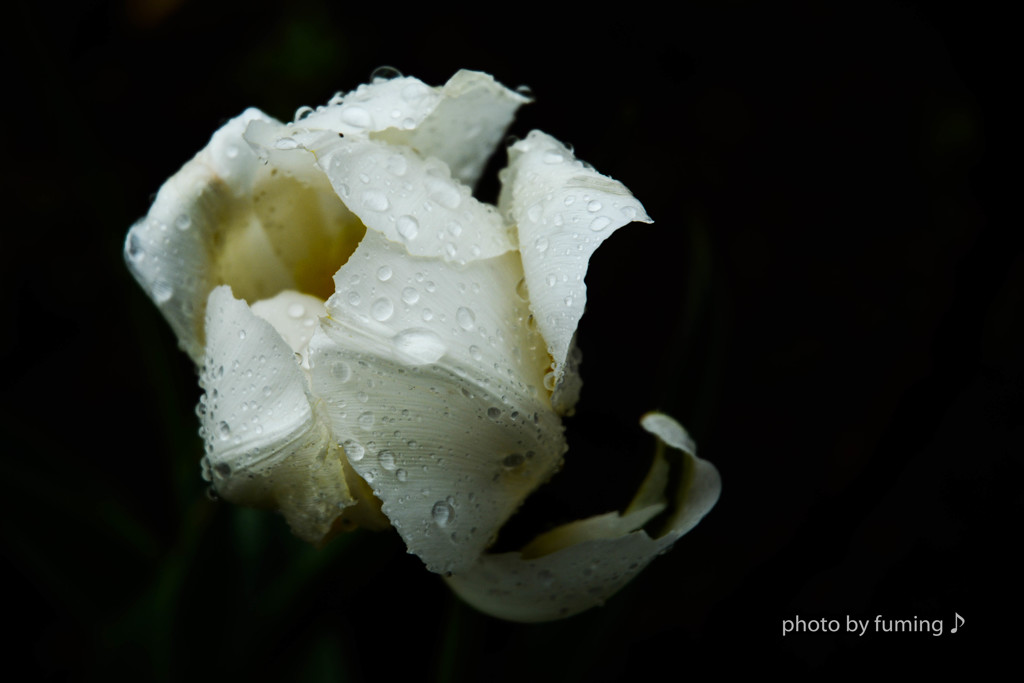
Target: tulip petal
(402, 102)
(433, 382)
(459, 123)
(411, 200)
(169, 251)
(467, 125)
(580, 565)
(564, 210)
(265, 444)
(227, 217)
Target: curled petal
(459, 123)
(469, 122)
(171, 251)
(411, 200)
(229, 217)
(437, 400)
(265, 443)
(564, 210)
(579, 565)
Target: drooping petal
(265, 444)
(229, 217)
(410, 200)
(432, 379)
(564, 210)
(578, 566)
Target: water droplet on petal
(375, 200)
(387, 460)
(442, 513)
(541, 244)
(384, 273)
(600, 223)
(382, 309)
(513, 460)
(162, 291)
(354, 450)
(366, 420)
(494, 413)
(286, 143)
(423, 346)
(465, 317)
(183, 222)
(408, 227)
(341, 371)
(385, 73)
(296, 310)
(356, 116)
(593, 206)
(410, 295)
(397, 165)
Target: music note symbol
(956, 623)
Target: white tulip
(400, 353)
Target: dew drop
(366, 420)
(183, 222)
(513, 460)
(494, 413)
(162, 291)
(465, 318)
(134, 249)
(382, 309)
(410, 295)
(354, 450)
(553, 158)
(474, 352)
(387, 460)
(442, 513)
(422, 346)
(296, 310)
(354, 298)
(629, 212)
(384, 273)
(341, 371)
(286, 143)
(541, 244)
(375, 200)
(357, 117)
(385, 73)
(593, 206)
(224, 429)
(397, 165)
(600, 223)
(444, 193)
(408, 227)
(401, 475)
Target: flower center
(291, 234)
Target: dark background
(830, 299)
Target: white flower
(399, 352)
